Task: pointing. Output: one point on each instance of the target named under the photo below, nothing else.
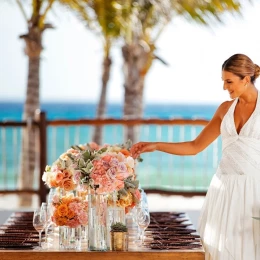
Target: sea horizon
(12, 110)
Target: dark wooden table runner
(171, 230)
(18, 232)
(167, 231)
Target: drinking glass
(39, 222)
(143, 220)
(48, 211)
(143, 215)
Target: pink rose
(73, 222)
(77, 176)
(83, 218)
(121, 167)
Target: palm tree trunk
(28, 159)
(101, 110)
(135, 60)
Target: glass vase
(132, 227)
(97, 226)
(70, 238)
(51, 193)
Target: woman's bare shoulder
(223, 108)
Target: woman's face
(233, 84)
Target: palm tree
(100, 16)
(36, 24)
(142, 24)
(109, 27)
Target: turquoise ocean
(187, 172)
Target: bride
(226, 223)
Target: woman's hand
(142, 147)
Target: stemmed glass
(143, 215)
(143, 221)
(39, 222)
(48, 211)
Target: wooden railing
(156, 173)
(6, 145)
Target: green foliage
(118, 227)
(129, 186)
(204, 11)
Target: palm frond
(204, 11)
(77, 6)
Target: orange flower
(66, 173)
(67, 200)
(125, 152)
(53, 183)
(68, 185)
(56, 214)
(61, 221)
(63, 210)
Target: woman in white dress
(226, 225)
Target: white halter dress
(226, 223)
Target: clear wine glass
(143, 220)
(39, 222)
(48, 211)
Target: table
(132, 254)
(129, 255)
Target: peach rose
(68, 185)
(66, 173)
(53, 183)
(56, 214)
(107, 158)
(59, 177)
(62, 210)
(61, 221)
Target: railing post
(43, 154)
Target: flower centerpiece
(106, 171)
(109, 169)
(70, 213)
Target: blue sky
(72, 56)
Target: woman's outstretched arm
(205, 138)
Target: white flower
(44, 176)
(130, 162)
